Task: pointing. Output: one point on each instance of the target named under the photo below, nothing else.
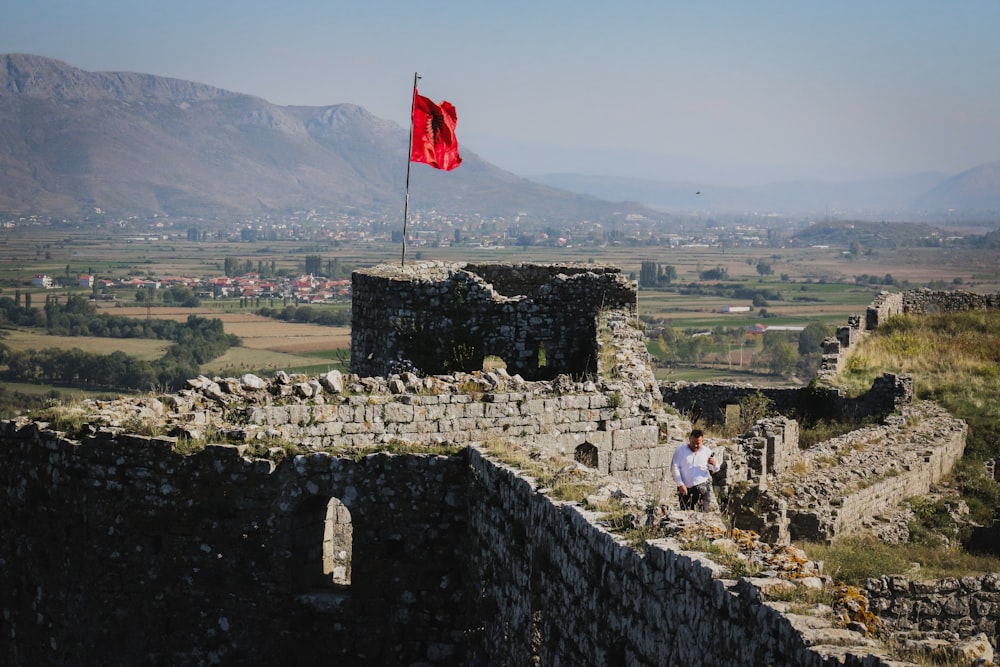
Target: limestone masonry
(116, 549)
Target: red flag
(434, 141)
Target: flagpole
(409, 161)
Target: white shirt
(691, 468)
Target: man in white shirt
(691, 468)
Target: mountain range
(73, 141)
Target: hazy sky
(729, 92)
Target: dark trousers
(698, 497)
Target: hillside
(977, 189)
(128, 143)
(842, 234)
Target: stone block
(397, 412)
(636, 459)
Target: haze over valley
(140, 144)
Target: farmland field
(255, 331)
(141, 348)
(816, 284)
(267, 345)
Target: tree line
(196, 341)
(309, 315)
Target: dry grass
(853, 559)
(559, 477)
(256, 332)
(267, 345)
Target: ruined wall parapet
(615, 421)
(882, 307)
(770, 447)
(709, 401)
(926, 301)
(846, 483)
(117, 550)
(889, 304)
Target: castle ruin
(372, 547)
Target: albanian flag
(434, 141)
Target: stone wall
(540, 319)
(769, 447)
(840, 486)
(612, 425)
(884, 306)
(950, 609)
(926, 301)
(119, 551)
(555, 589)
(846, 483)
(889, 304)
(709, 401)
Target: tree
(181, 295)
(647, 274)
(753, 408)
(718, 273)
(764, 268)
(692, 348)
(779, 355)
(665, 274)
(811, 338)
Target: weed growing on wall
(71, 419)
(140, 425)
(753, 408)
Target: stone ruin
(541, 320)
(417, 557)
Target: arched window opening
(586, 454)
(323, 548)
(337, 537)
(542, 360)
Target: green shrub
(979, 490)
